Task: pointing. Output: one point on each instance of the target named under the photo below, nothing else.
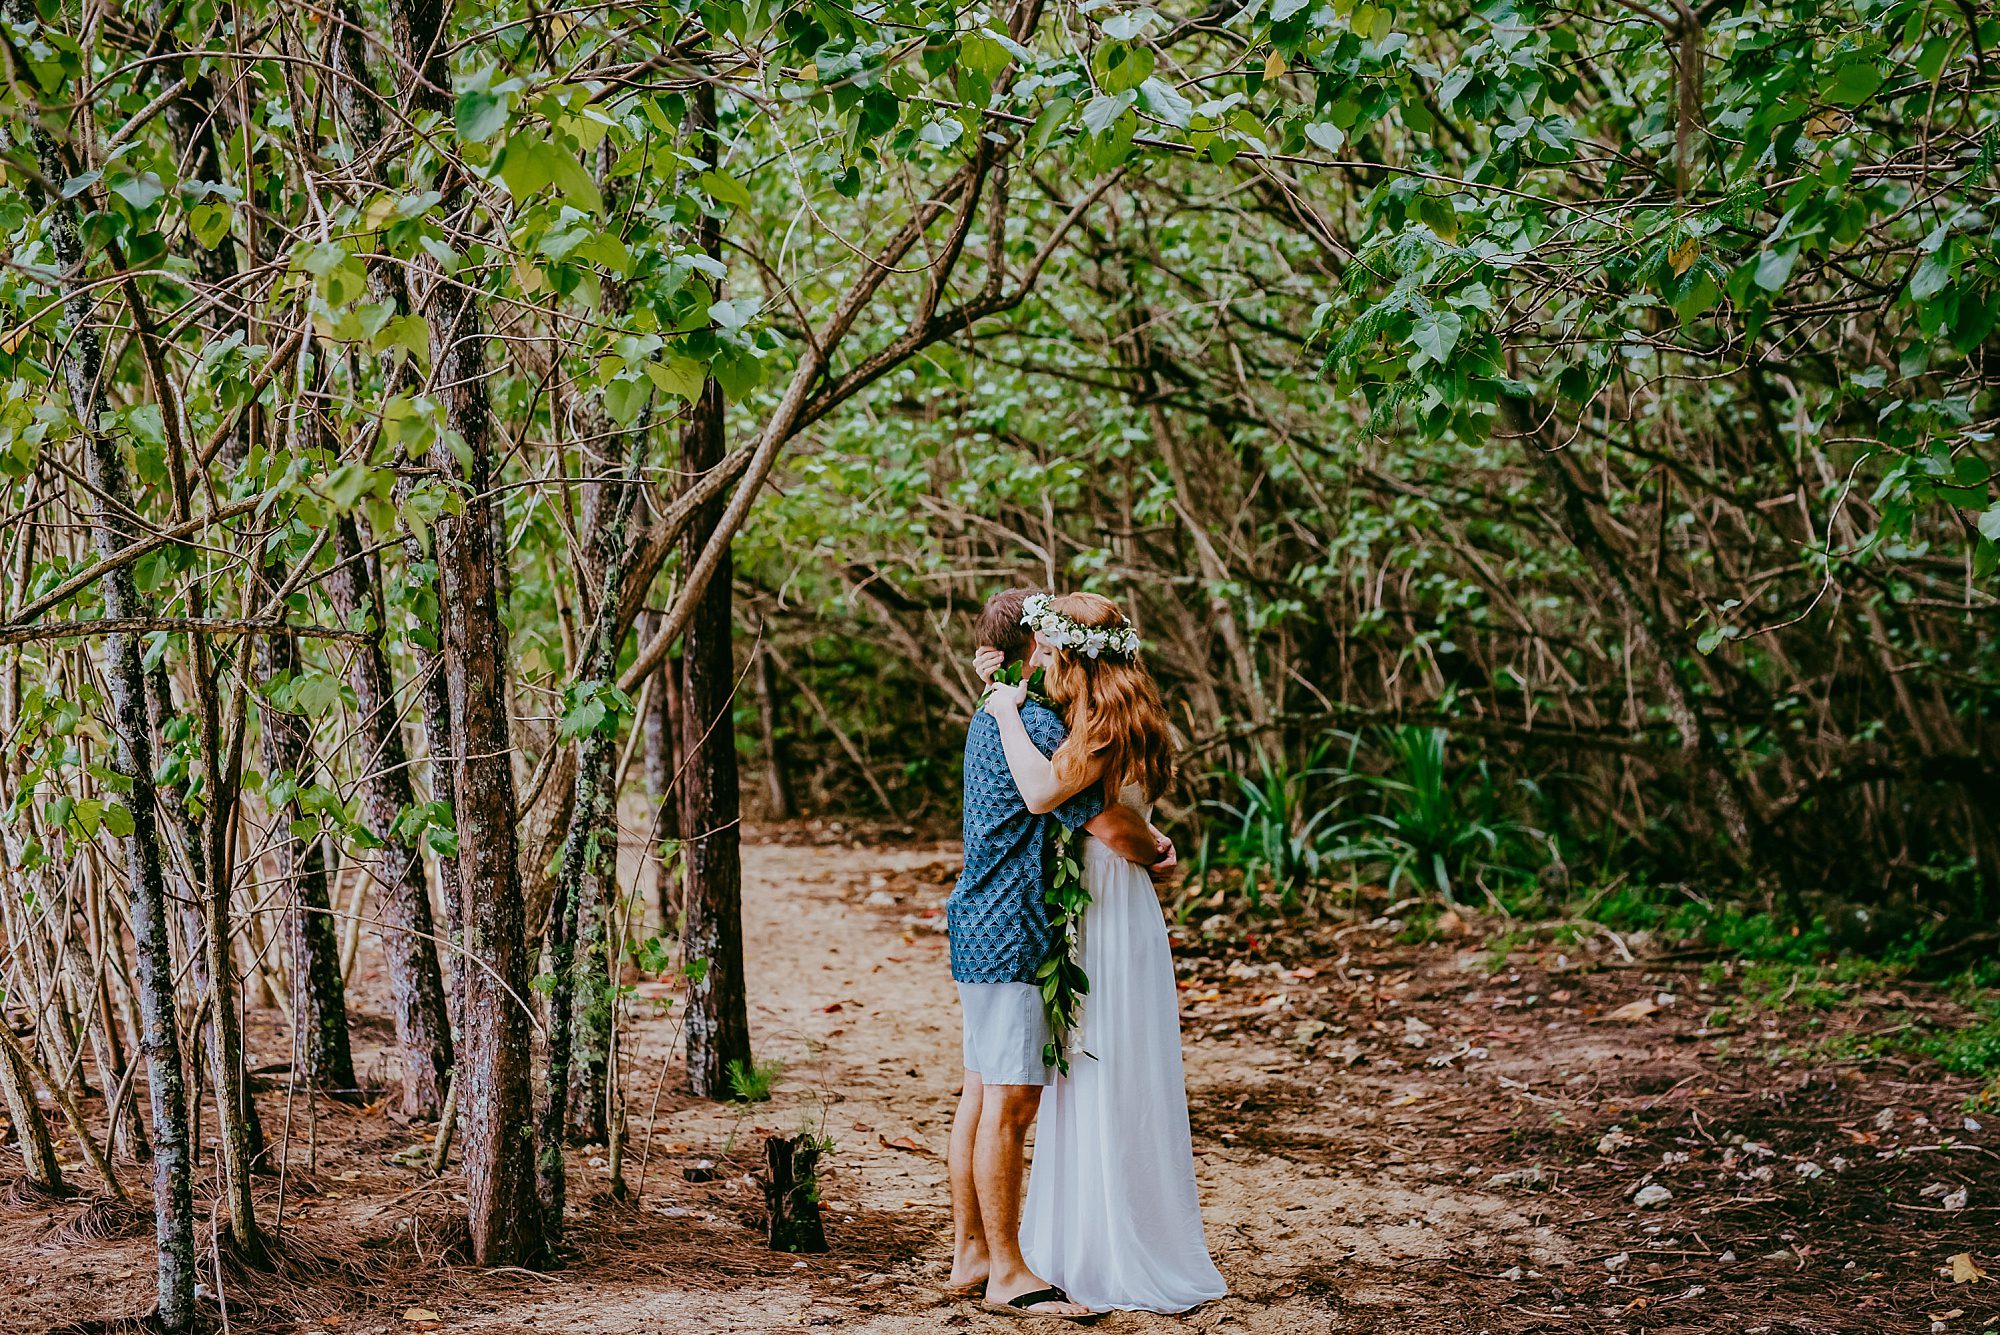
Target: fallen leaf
(907, 1144)
(420, 1314)
(1632, 1011)
(1964, 1270)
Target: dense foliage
(1540, 445)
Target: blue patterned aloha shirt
(997, 919)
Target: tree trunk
(498, 1140)
(319, 998)
(718, 1024)
(132, 759)
(589, 865)
(718, 1021)
(496, 1113)
(31, 1129)
(423, 1029)
(663, 764)
(777, 785)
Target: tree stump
(791, 1192)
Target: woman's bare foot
(1002, 1294)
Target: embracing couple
(1062, 762)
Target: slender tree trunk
(132, 758)
(319, 999)
(663, 765)
(586, 884)
(777, 783)
(718, 1021)
(496, 1115)
(31, 1129)
(498, 1140)
(423, 1029)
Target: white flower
(1038, 613)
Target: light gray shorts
(1005, 1031)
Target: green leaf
(1932, 275)
(725, 189)
(530, 162)
(1105, 108)
(118, 820)
(1163, 100)
(682, 377)
(1853, 82)
(624, 400)
(1434, 336)
(1774, 268)
(479, 114)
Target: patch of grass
(1973, 1050)
(752, 1084)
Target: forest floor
(1392, 1136)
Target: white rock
(1651, 1196)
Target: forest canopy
(1545, 448)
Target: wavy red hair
(1117, 721)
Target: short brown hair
(1000, 624)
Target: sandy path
(850, 988)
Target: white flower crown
(1039, 615)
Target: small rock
(1651, 1196)
(1513, 1273)
(1618, 1262)
(1808, 1170)
(1519, 1177)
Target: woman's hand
(1004, 699)
(986, 660)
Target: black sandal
(1019, 1305)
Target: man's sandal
(1018, 1306)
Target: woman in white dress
(1112, 1216)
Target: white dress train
(1112, 1215)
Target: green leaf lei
(1061, 978)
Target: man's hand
(986, 660)
(1167, 867)
(1004, 699)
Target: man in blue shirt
(1000, 934)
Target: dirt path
(850, 988)
(1444, 1135)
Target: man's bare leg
(999, 1157)
(968, 1230)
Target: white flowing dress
(1112, 1215)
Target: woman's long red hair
(1117, 722)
